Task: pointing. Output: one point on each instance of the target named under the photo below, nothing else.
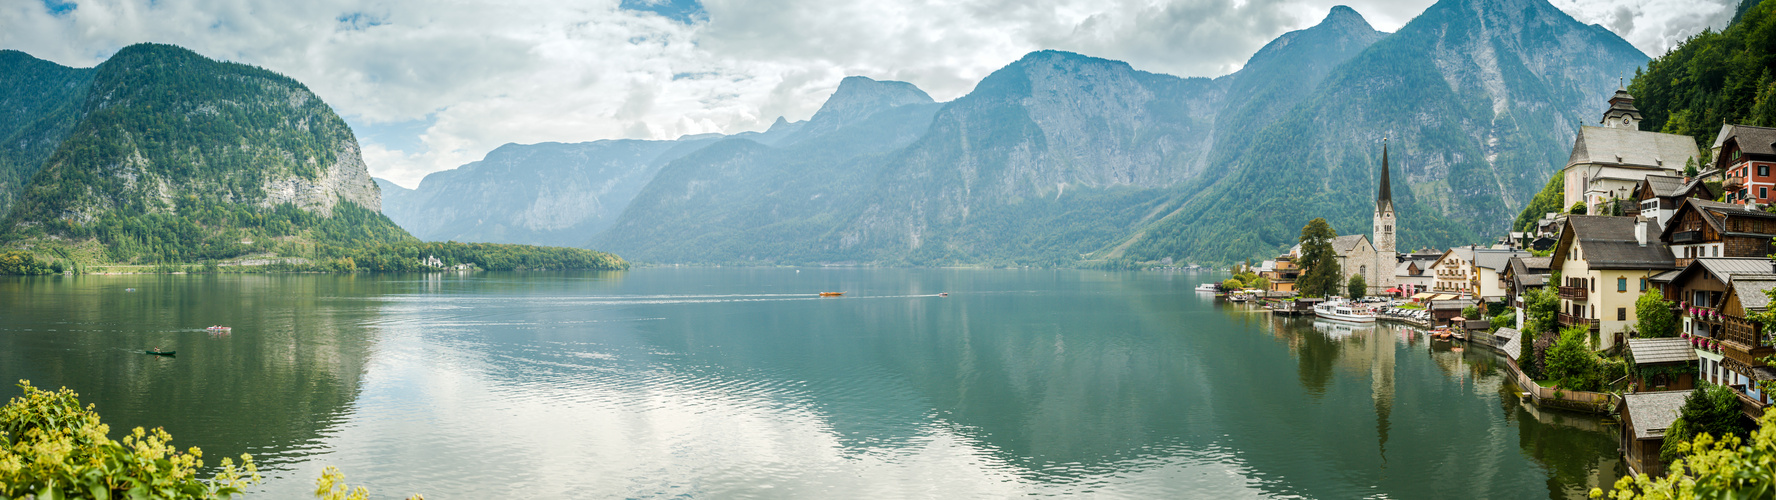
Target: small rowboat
(219, 329)
(945, 294)
(832, 294)
(160, 352)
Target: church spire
(1385, 196)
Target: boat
(158, 352)
(832, 294)
(944, 294)
(1344, 311)
(1208, 287)
(219, 329)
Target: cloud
(430, 86)
(1653, 26)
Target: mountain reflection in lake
(740, 382)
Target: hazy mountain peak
(859, 97)
(1344, 15)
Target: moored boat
(832, 294)
(1208, 287)
(1344, 311)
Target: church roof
(1620, 147)
(1621, 104)
(1344, 245)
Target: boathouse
(1645, 417)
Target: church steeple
(1385, 196)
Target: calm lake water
(739, 383)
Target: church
(1372, 257)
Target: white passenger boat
(1208, 287)
(1345, 311)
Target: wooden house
(1645, 417)
(1701, 228)
(1662, 364)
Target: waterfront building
(1743, 345)
(1610, 159)
(1701, 228)
(1454, 270)
(1523, 274)
(1658, 196)
(1281, 273)
(1604, 264)
(1662, 364)
(1356, 257)
(1488, 282)
(1745, 155)
(1645, 417)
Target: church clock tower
(1385, 225)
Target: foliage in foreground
(1725, 467)
(53, 448)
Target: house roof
(1723, 269)
(1631, 148)
(1715, 213)
(1750, 290)
(1496, 260)
(1666, 185)
(1752, 140)
(1666, 277)
(1513, 341)
(1661, 350)
(1653, 412)
(1609, 243)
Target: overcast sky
(430, 85)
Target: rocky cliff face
(1481, 99)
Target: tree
(1571, 363)
(1654, 315)
(1690, 171)
(1320, 272)
(1578, 208)
(1356, 288)
(1232, 284)
(1541, 308)
(1261, 283)
(1503, 319)
(1712, 409)
(1470, 312)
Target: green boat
(161, 353)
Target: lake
(721, 382)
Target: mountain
(1481, 98)
(751, 200)
(549, 193)
(1049, 158)
(39, 103)
(171, 156)
(1712, 79)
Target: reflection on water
(740, 382)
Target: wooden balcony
(1681, 237)
(1573, 292)
(1570, 320)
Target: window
(1621, 284)
(1763, 192)
(1763, 170)
(1643, 285)
(1621, 314)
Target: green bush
(1654, 315)
(1571, 362)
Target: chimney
(1640, 230)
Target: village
(1647, 295)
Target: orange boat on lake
(832, 294)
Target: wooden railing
(1570, 320)
(1573, 292)
(1595, 402)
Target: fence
(1550, 397)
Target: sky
(430, 85)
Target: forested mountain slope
(39, 103)
(172, 156)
